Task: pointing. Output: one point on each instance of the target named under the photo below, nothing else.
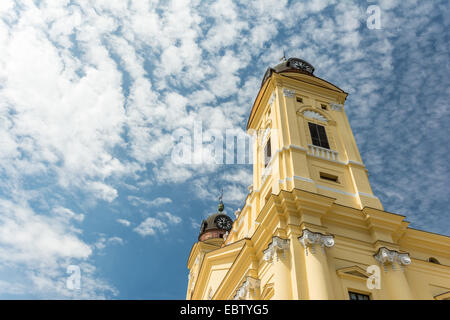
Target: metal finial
(284, 56)
(221, 206)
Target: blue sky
(92, 92)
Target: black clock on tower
(223, 222)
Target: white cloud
(151, 226)
(136, 201)
(102, 242)
(36, 249)
(171, 218)
(124, 222)
(68, 214)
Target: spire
(284, 56)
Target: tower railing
(322, 152)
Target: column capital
(309, 239)
(249, 286)
(336, 106)
(387, 257)
(277, 246)
(288, 93)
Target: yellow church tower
(311, 227)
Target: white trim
(326, 187)
(304, 179)
(281, 181)
(367, 195)
(356, 163)
(293, 146)
(296, 147)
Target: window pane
(324, 144)
(313, 130)
(323, 137)
(267, 153)
(316, 142)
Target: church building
(311, 227)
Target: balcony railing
(322, 152)
(267, 172)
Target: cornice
(379, 220)
(425, 241)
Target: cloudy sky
(94, 93)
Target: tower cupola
(216, 225)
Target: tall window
(358, 296)
(318, 135)
(267, 153)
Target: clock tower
(310, 226)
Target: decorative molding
(387, 257)
(353, 272)
(293, 146)
(276, 247)
(314, 115)
(356, 163)
(263, 135)
(272, 98)
(336, 106)
(288, 93)
(248, 289)
(323, 152)
(309, 239)
(303, 107)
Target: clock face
(223, 222)
(301, 65)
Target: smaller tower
(215, 226)
(212, 235)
